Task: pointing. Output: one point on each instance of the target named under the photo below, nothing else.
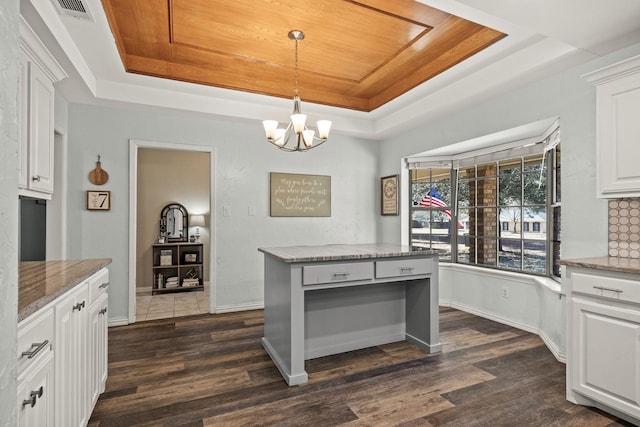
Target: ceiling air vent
(75, 8)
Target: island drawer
(336, 273)
(609, 287)
(404, 267)
(35, 337)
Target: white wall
(584, 217)
(9, 16)
(244, 160)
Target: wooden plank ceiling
(356, 54)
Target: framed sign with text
(389, 195)
(299, 195)
(99, 200)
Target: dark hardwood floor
(212, 371)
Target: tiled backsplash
(624, 228)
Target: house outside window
(491, 214)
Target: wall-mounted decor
(389, 195)
(300, 195)
(98, 176)
(174, 223)
(98, 200)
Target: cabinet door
(71, 358)
(97, 360)
(23, 120)
(606, 345)
(41, 104)
(36, 395)
(618, 137)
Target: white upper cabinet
(38, 71)
(618, 128)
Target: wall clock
(98, 200)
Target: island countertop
(606, 263)
(338, 252)
(40, 282)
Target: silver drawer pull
(407, 269)
(103, 311)
(35, 178)
(34, 397)
(602, 288)
(38, 347)
(104, 285)
(79, 306)
(338, 276)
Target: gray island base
(323, 300)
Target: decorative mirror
(174, 223)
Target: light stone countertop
(40, 282)
(293, 254)
(607, 263)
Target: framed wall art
(99, 200)
(299, 195)
(389, 195)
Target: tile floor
(162, 306)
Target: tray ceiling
(356, 54)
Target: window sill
(547, 282)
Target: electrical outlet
(252, 210)
(505, 292)
(226, 210)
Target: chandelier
(304, 138)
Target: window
(492, 214)
(431, 210)
(554, 207)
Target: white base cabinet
(603, 352)
(98, 325)
(36, 394)
(62, 357)
(71, 358)
(36, 389)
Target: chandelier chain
(296, 90)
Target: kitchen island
(323, 300)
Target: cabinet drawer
(35, 338)
(98, 284)
(609, 287)
(404, 267)
(336, 273)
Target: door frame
(134, 146)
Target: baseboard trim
(230, 308)
(119, 321)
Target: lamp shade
(196, 221)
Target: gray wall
(9, 17)
(243, 160)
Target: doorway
(162, 173)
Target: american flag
(434, 199)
